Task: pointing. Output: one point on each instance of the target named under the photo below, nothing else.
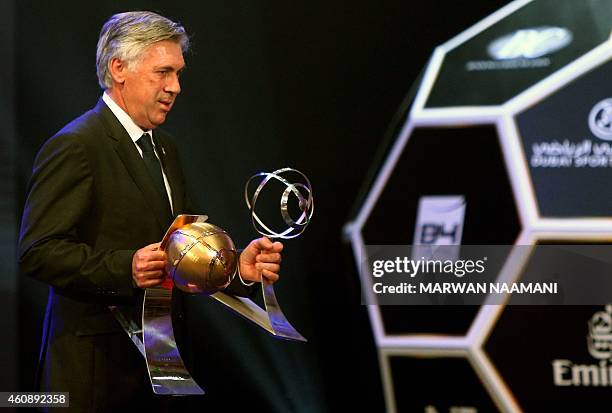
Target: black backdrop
(313, 85)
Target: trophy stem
(281, 327)
(167, 371)
(302, 191)
(249, 310)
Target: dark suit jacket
(90, 205)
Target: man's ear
(118, 69)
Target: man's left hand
(261, 257)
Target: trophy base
(272, 319)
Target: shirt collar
(128, 124)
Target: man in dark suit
(102, 194)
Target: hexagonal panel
(565, 351)
(567, 140)
(431, 165)
(518, 51)
(546, 361)
(437, 385)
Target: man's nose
(173, 84)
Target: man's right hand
(149, 266)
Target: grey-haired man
(103, 191)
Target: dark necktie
(153, 166)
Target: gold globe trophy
(202, 259)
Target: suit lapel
(125, 148)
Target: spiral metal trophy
(302, 191)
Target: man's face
(150, 88)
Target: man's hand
(149, 266)
(261, 257)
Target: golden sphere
(201, 258)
